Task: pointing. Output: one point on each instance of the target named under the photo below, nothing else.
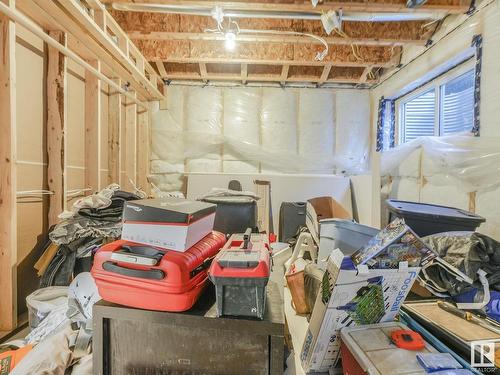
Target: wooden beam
(114, 134)
(89, 26)
(93, 107)
(284, 73)
(455, 7)
(272, 38)
(161, 69)
(262, 53)
(263, 78)
(94, 4)
(188, 27)
(57, 127)
(56, 17)
(365, 74)
(325, 73)
(100, 18)
(143, 153)
(8, 173)
(130, 145)
(25, 21)
(203, 71)
(244, 73)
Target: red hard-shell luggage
(151, 278)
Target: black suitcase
(292, 217)
(234, 214)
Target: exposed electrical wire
(234, 28)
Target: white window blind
(457, 104)
(418, 116)
(444, 106)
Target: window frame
(435, 84)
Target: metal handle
(153, 274)
(246, 238)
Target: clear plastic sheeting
(353, 131)
(316, 122)
(251, 130)
(473, 161)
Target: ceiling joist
(273, 38)
(268, 53)
(148, 23)
(184, 47)
(451, 7)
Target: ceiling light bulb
(230, 40)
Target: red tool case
(151, 278)
(240, 273)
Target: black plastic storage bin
(426, 219)
(234, 214)
(292, 217)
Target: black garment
(113, 212)
(27, 276)
(60, 271)
(469, 252)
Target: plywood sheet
(31, 211)
(76, 122)
(30, 112)
(76, 180)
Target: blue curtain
(386, 124)
(477, 41)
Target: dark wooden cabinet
(196, 342)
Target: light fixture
(230, 40)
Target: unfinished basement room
(249, 187)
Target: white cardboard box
(351, 297)
(171, 223)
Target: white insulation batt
(259, 130)
(459, 171)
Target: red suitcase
(151, 278)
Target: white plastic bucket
(42, 301)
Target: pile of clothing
(93, 221)
(60, 341)
(60, 312)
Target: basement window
(441, 107)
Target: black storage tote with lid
(426, 219)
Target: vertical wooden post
(143, 157)
(56, 127)
(114, 131)
(93, 129)
(130, 144)
(8, 209)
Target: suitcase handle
(206, 264)
(153, 274)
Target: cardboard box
(394, 244)
(349, 297)
(323, 208)
(170, 223)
